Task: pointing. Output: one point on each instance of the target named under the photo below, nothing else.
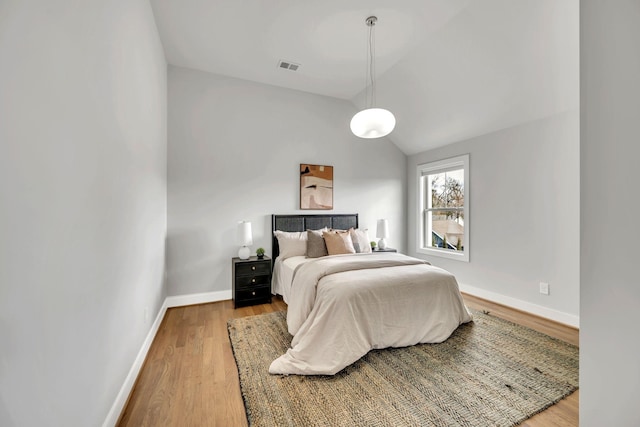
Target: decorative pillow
(338, 243)
(316, 247)
(291, 243)
(360, 238)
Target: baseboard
(538, 310)
(203, 298)
(130, 380)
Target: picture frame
(316, 187)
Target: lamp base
(244, 252)
(382, 244)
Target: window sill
(443, 253)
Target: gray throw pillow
(316, 246)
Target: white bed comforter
(340, 307)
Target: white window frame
(430, 168)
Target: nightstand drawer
(261, 292)
(253, 268)
(251, 281)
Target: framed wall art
(316, 187)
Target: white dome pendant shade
(373, 123)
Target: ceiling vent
(287, 65)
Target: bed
(342, 306)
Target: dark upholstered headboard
(304, 222)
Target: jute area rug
(490, 372)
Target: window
(443, 204)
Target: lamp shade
(382, 231)
(373, 123)
(244, 234)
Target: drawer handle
(253, 280)
(253, 267)
(253, 293)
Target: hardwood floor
(190, 377)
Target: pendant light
(372, 122)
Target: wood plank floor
(190, 377)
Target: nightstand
(251, 281)
(386, 250)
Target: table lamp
(382, 233)
(244, 239)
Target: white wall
(524, 215)
(610, 149)
(496, 64)
(83, 203)
(235, 148)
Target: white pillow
(360, 238)
(291, 243)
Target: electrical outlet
(544, 288)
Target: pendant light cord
(371, 64)
(372, 56)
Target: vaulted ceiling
(448, 69)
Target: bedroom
(123, 185)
